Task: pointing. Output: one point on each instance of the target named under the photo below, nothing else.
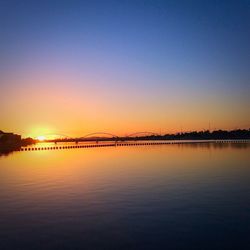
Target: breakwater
(124, 144)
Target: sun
(41, 138)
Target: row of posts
(128, 144)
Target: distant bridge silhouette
(116, 136)
(145, 133)
(98, 133)
(136, 134)
(99, 136)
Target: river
(175, 196)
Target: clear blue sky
(155, 61)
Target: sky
(76, 67)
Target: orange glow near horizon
(119, 109)
(41, 138)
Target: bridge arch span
(99, 133)
(145, 133)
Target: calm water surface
(194, 196)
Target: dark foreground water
(194, 196)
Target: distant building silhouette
(9, 138)
(11, 142)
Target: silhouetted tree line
(207, 135)
(201, 135)
(198, 135)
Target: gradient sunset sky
(76, 67)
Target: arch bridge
(99, 133)
(98, 136)
(144, 133)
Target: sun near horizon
(41, 138)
